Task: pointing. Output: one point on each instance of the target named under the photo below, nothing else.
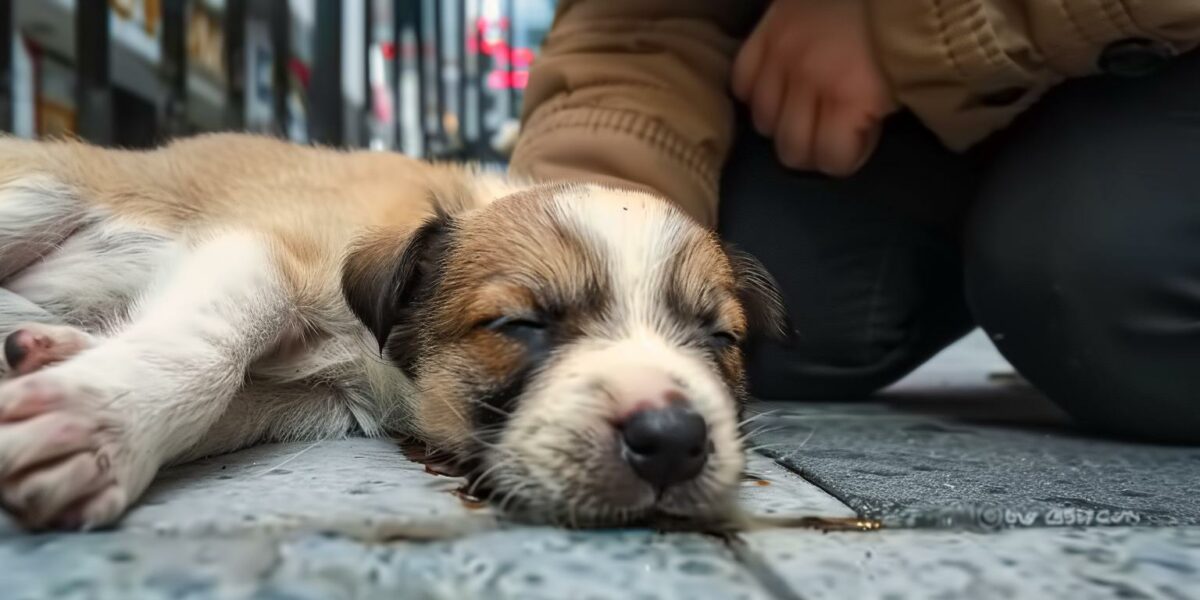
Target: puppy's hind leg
(80, 440)
(17, 313)
(16, 310)
(37, 213)
(300, 411)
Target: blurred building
(433, 78)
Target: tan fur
(311, 201)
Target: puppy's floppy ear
(388, 271)
(759, 294)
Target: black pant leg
(870, 266)
(1083, 253)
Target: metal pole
(483, 99)
(465, 73)
(235, 64)
(93, 92)
(6, 66)
(422, 74)
(441, 92)
(328, 102)
(400, 15)
(174, 66)
(364, 116)
(509, 37)
(280, 26)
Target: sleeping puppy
(574, 348)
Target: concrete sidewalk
(355, 519)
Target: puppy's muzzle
(663, 439)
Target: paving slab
(772, 491)
(525, 563)
(970, 361)
(1114, 562)
(360, 487)
(356, 519)
(924, 470)
(956, 446)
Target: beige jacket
(635, 92)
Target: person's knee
(868, 269)
(1093, 304)
(856, 360)
(1085, 337)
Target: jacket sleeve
(635, 93)
(969, 67)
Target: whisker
(288, 459)
(451, 408)
(491, 407)
(809, 437)
(482, 477)
(755, 417)
(763, 427)
(763, 430)
(504, 504)
(767, 446)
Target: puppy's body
(89, 234)
(220, 287)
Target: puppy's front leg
(79, 441)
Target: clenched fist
(812, 82)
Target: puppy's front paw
(65, 459)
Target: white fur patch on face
(636, 236)
(561, 449)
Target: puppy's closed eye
(532, 333)
(723, 340)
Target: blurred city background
(433, 78)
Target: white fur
(150, 392)
(91, 278)
(36, 214)
(637, 234)
(192, 338)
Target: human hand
(812, 82)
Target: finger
(794, 138)
(840, 141)
(765, 106)
(746, 65)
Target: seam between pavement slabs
(763, 573)
(815, 483)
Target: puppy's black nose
(665, 446)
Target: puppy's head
(576, 348)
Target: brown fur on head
(533, 326)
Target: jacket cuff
(962, 66)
